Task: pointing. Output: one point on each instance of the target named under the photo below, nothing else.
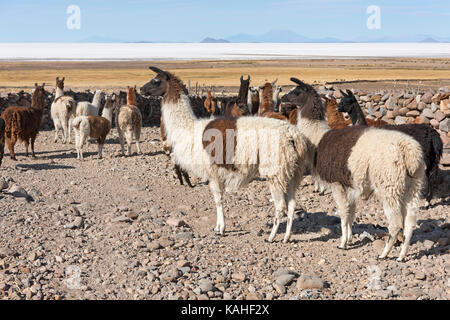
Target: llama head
(38, 98)
(347, 102)
(307, 98)
(131, 91)
(60, 83)
(159, 85)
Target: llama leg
(121, 138)
(409, 224)
(186, 177)
(11, 142)
(340, 197)
(57, 127)
(56, 134)
(178, 173)
(100, 149)
(217, 192)
(26, 142)
(129, 138)
(412, 208)
(65, 132)
(395, 217)
(137, 136)
(351, 218)
(280, 208)
(290, 199)
(33, 139)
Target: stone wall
(397, 107)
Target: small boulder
(310, 282)
(445, 125)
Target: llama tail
(412, 155)
(71, 105)
(76, 122)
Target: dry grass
(218, 73)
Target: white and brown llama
(231, 152)
(358, 160)
(62, 111)
(129, 122)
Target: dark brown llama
(22, 123)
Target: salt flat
(213, 51)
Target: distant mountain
(212, 40)
(429, 40)
(100, 39)
(280, 36)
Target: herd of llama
(258, 134)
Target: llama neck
(107, 113)
(312, 129)
(97, 100)
(59, 92)
(249, 101)
(178, 114)
(357, 115)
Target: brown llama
(131, 96)
(334, 117)
(239, 107)
(23, 124)
(210, 104)
(266, 106)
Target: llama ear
(35, 84)
(43, 85)
(64, 78)
(159, 72)
(300, 83)
(242, 78)
(349, 92)
(57, 78)
(248, 78)
(275, 81)
(135, 88)
(343, 93)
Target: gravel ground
(123, 228)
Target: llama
(2, 139)
(349, 102)
(210, 104)
(129, 122)
(253, 100)
(62, 110)
(334, 117)
(238, 107)
(276, 98)
(230, 152)
(23, 124)
(430, 141)
(95, 127)
(85, 108)
(358, 160)
(266, 107)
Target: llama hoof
(400, 259)
(13, 158)
(342, 247)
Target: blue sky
(189, 20)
